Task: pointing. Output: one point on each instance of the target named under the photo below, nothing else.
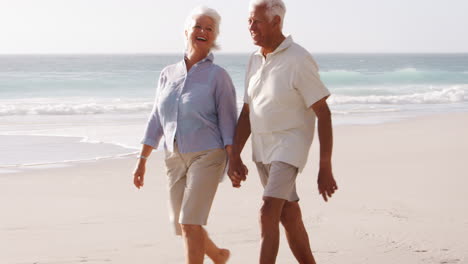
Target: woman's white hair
(204, 11)
(273, 8)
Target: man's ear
(276, 21)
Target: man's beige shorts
(279, 180)
(192, 180)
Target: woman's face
(201, 35)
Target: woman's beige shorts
(192, 180)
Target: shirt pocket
(199, 98)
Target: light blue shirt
(196, 107)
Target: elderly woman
(195, 110)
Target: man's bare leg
(270, 214)
(298, 240)
(218, 255)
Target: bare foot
(223, 256)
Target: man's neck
(273, 45)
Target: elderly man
(283, 98)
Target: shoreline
(127, 150)
(35, 150)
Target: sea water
(56, 108)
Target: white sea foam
(409, 69)
(361, 71)
(367, 110)
(454, 94)
(366, 72)
(72, 107)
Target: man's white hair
(204, 11)
(273, 8)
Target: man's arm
(237, 171)
(326, 182)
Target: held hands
(237, 172)
(139, 175)
(326, 183)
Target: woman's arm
(153, 135)
(226, 107)
(139, 173)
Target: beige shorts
(192, 180)
(278, 180)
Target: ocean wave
(400, 76)
(367, 110)
(445, 96)
(408, 69)
(11, 108)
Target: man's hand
(237, 172)
(326, 183)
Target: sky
(156, 26)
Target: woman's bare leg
(218, 255)
(198, 243)
(194, 243)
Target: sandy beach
(402, 199)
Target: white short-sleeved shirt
(279, 91)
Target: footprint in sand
(144, 245)
(449, 261)
(92, 260)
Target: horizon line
(226, 53)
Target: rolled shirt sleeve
(154, 131)
(226, 107)
(307, 81)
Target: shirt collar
(209, 57)
(287, 42)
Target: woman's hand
(139, 174)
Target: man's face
(260, 26)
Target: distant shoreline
(226, 53)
